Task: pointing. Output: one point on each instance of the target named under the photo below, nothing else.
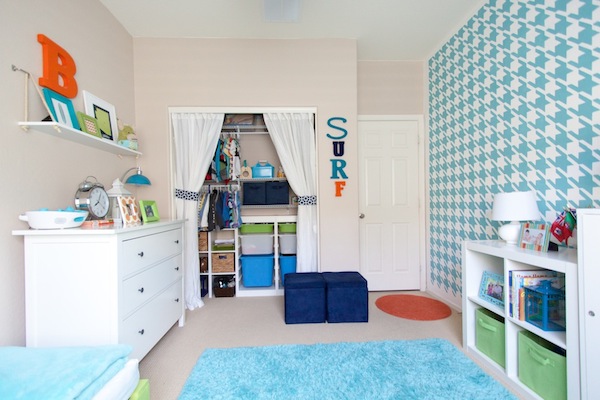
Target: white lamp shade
(515, 206)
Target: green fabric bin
(285, 227)
(541, 367)
(489, 335)
(256, 228)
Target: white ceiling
(384, 29)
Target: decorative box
(545, 306)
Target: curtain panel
(293, 135)
(195, 139)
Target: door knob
(361, 215)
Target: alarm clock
(92, 197)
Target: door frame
(422, 179)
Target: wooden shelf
(74, 135)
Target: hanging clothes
(219, 208)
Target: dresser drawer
(146, 326)
(141, 287)
(146, 250)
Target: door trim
(421, 188)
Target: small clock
(92, 197)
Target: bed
(95, 373)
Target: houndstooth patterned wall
(514, 105)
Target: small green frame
(149, 211)
(88, 124)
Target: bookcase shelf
(500, 258)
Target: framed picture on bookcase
(534, 236)
(492, 288)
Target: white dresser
(103, 286)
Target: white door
(389, 175)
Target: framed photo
(105, 115)
(492, 288)
(61, 108)
(149, 211)
(88, 124)
(534, 236)
(130, 212)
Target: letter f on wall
(59, 68)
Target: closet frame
(276, 289)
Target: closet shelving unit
(211, 252)
(240, 290)
(276, 289)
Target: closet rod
(244, 133)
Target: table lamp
(514, 207)
(135, 179)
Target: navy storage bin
(304, 298)
(347, 297)
(257, 270)
(287, 265)
(254, 193)
(277, 192)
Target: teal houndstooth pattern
(514, 102)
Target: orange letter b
(59, 68)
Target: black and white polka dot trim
(307, 200)
(186, 195)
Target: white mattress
(122, 385)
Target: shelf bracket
(26, 108)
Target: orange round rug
(413, 307)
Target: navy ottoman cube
(304, 297)
(347, 297)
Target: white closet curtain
(293, 135)
(195, 136)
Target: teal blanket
(58, 372)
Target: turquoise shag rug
(413, 369)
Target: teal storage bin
(263, 169)
(490, 336)
(287, 265)
(257, 270)
(542, 366)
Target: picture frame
(105, 114)
(492, 288)
(149, 211)
(130, 213)
(61, 108)
(88, 124)
(534, 236)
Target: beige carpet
(259, 321)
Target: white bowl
(54, 219)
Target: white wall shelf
(500, 258)
(64, 132)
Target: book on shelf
(517, 280)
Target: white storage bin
(257, 244)
(287, 244)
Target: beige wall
(390, 87)
(256, 73)
(42, 171)
(38, 170)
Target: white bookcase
(500, 258)
(588, 232)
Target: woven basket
(223, 262)
(202, 241)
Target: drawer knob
(591, 313)
(177, 300)
(141, 332)
(177, 242)
(141, 254)
(141, 290)
(176, 268)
